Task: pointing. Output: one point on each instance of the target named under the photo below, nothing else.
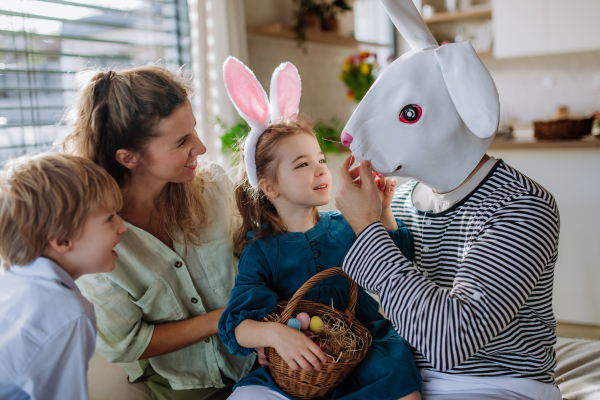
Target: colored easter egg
(294, 323)
(316, 325)
(304, 319)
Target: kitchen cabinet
(573, 25)
(536, 27)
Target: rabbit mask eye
(410, 114)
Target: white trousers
(441, 386)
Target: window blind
(43, 43)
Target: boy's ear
(127, 158)
(268, 189)
(60, 245)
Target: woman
(157, 312)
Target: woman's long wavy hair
(258, 213)
(120, 110)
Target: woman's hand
(386, 187)
(296, 349)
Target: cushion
(577, 374)
(108, 381)
(578, 368)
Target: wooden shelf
(280, 31)
(458, 15)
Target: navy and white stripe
(478, 299)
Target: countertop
(531, 143)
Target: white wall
(572, 177)
(262, 12)
(532, 88)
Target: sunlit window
(373, 25)
(44, 42)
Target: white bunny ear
(471, 88)
(251, 101)
(246, 93)
(409, 23)
(286, 89)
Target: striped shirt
(478, 299)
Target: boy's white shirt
(47, 333)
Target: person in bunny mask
(283, 179)
(476, 305)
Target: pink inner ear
(245, 91)
(289, 90)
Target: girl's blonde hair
(258, 213)
(119, 110)
(49, 196)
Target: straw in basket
(303, 384)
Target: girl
(157, 312)
(280, 186)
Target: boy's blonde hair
(49, 196)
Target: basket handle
(291, 306)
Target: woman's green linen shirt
(153, 284)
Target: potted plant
(315, 14)
(328, 135)
(330, 10)
(358, 73)
(308, 15)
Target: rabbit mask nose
(346, 139)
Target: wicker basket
(563, 129)
(303, 384)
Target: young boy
(58, 222)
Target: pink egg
(304, 319)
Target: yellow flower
(365, 69)
(347, 66)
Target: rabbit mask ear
(409, 23)
(246, 93)
(286, 89)
(471, 88)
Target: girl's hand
(296, 349)
(386, 188)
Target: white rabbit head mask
(431, 115)
(250, 99)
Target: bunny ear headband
(250, 100)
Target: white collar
(427, 200)
(46, 269)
